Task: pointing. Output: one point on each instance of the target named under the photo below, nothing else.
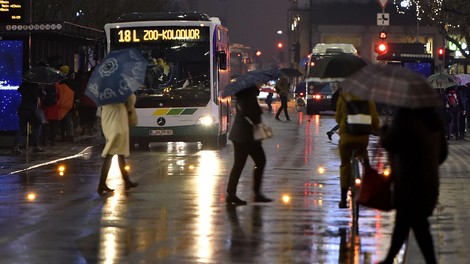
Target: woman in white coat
(115, 125)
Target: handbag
(40, 116)
(260, 131)
(132, 118)
(376, 190)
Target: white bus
(188, 68)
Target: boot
(343, 203)
(127, 183)
(234, 200)
(103, 189)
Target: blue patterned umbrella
(120, 73)
(250, 79)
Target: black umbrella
(336, 68)
(44, 75)
(250, 79)
(291, 72)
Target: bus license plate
(161, 132)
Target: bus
(187, 71)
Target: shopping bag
(40, 116)
(262, 131)
(376, 190)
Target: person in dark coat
(416, 144)
(244, 145)
(30, 93)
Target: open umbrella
(120, 73)
(44, 75)
(291, 72)
(463, 79)
(250, 79)
(335, 68)
(442, 80)
(65, 100)
(390, 85)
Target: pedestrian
(349, 141)
(86, 106)
(416, 145)
(463, 106)
(30, 93)
(244, 145)
(66, 123)
(282, 88)
(115, 125)
(51, 110)
(269, 101)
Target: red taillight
(317, 97)
(301, 94)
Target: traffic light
(258, 53)
(383, 35)
(381, 47)
(280, 45)
(441, 52)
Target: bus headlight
(206, 120)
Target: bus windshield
(178, 72)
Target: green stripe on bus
(189, 111)
(175, 111)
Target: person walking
(282, 88)
(244, 145)
(30, 93)
(115, 125)
(334, 100)
(416, 144)
(349, 141)
(269, 101)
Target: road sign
(383, 4)
(383, 19)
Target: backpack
(452, 99)
(50, 95)
(358, 120)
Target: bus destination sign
(12, 11)
(160, 34)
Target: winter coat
(29, 96)
(115, 125)
(247, 106)
(341, 116)
(416, 145)
(282, 86)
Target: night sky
(252, 22)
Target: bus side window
(222, 60)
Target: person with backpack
(353, 135)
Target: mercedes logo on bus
(161, 121)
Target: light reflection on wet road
(178, 214)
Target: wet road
(178, 214)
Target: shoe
(103, 189)
(277, 118)
(129, 184)
(16, 150)
(343, 204)
(329, 134)
(262, 199)
(288, 119)
(38, 149)
(233, 199)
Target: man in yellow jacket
(349, 141)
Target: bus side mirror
(222, 59)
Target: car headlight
(206, 120)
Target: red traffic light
(280, 45)
(258, 53)
(381, 48)
(440, 53)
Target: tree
(96, 13)
(450, 17)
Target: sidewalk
(449, 223)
